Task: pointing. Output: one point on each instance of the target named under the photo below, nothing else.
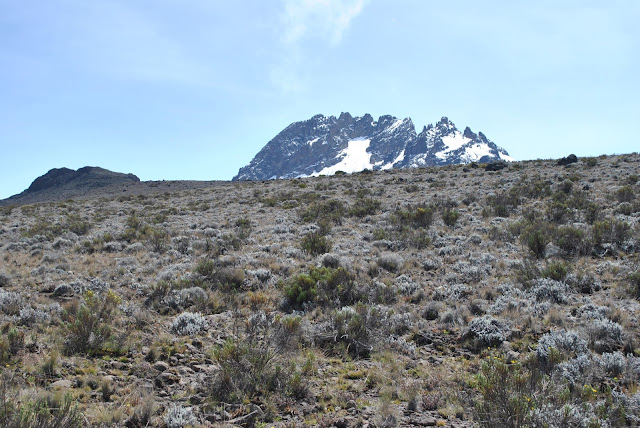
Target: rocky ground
(450, 296)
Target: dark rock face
(61, 183)
(87, 177)
(568, 160)
(323, 145)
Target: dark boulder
(495, 166)
(568, 160)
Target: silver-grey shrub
(431, 264)
(185, 298)
(580, 370)
(613, 363)
(179, 417)
(548, 289)
(505, 303)
(188, 324)
(454, 291)
(390, 262)
(406, 286)
(10, 302)
(488, 330)
(567, 342)
(605, 335)
(30, 316)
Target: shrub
(90, 327)
(301, 289)
(332, 210)
(505, 394)
(418, 216)
(611, 231)
(625, 194)
(44, 411)
(555, 270)
(76, 224)
(634, 282)
(353, 329)
(572, 241)
(11, 302)
(4, 279)
(549, 289)
(315, 244)
(179, 417)
(220, 274)
(605, 335)
(188, 324)
(504, 204)
(390, 262)
(185, 298)
(488, 331)
(327, 285)
(364, 207)
(158, 239)
(536, 238)
(249, 369)
(450, 217)
(560, 345)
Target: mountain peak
(445, 123)
(88, 176)
(325, 145)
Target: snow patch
(354, 158)
(395, 161)
(310, 142)
(505, 157)
(452, 142)
(397, 123)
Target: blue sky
(193, 89)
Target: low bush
(450, 216)
(315, 244)
(505, 203)
(301, 289)
(605, 335)
(390, 262)
(415, 216)
(536, 237)
(328, 286)
(364, 207)
(555, 270)
(89, 328)
(43, 411)
(558, 346)
(634, 282)
(188, 324)
(488, 331)
(179, 417)
(332, 210)
(625, 194)
(573, 241)
(250, 369)
(610, 231)
(219, 274)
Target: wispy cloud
(327, 19)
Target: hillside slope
(450, 296)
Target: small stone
(61, 384)
(161, 366)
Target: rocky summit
(61, 183)
(325, 145)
